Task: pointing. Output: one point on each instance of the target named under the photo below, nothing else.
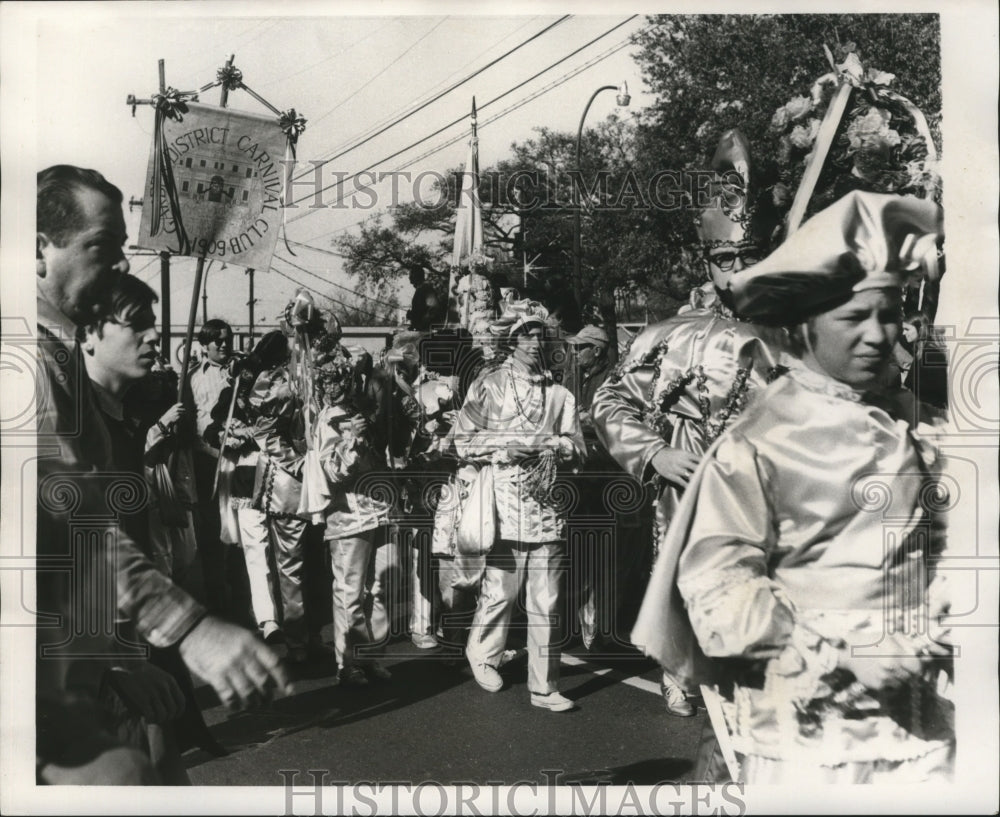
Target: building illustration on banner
(226, 186)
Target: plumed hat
(405, 348)
(517, 315)
(739, 211)
(863, 241)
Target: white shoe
(553, 701)
(424, 641)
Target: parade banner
(219, 186)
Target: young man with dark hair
(209, 377)
(78, 256)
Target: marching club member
(809, 618)
(686, 379)
(344, 466)
(276, 412)
(516, 420)
(231, 431)
(80, 233)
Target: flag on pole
(469, 220)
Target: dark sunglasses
(725, 261)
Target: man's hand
(242, 669)
(148, 691)
(675, 465)
(173, 415)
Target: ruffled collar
(522, 372)
(824, 384)
(819, 382)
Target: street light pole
(623, 100)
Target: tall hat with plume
(740, 210)
(863, 241)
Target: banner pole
(199, 271)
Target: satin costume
(683, 381)
(812, 525)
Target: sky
(347, 75)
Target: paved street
(432, 722)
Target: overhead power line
(316, 291)
(333, 283)
(446, 91)
(389, 117)
(440, 130)
(357, 91)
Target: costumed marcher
(430, 465)
(524, 426)
(231, 431)
(686, 379)
(80, 234)
(427, 308)
(345, 465)
(278, 411)
(600, 576)
(778, 581)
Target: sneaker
(487, 677)
(553, 701)
(271, 633)
(353, 676)
(675, 699)
(424, 641)
(378, 672)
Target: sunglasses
(725, 261)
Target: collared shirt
(207, 382)
(79, 493)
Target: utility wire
(332, 283)
(390, 65)
(445, 92)
(432, 90)
(521, 103)
(341, 182)
(317, 292)
(329, 57)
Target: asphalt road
(432, 722)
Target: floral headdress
(883, 144)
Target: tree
(528, 221)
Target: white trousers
(360, 615)
(258, 534)
(540, 569)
